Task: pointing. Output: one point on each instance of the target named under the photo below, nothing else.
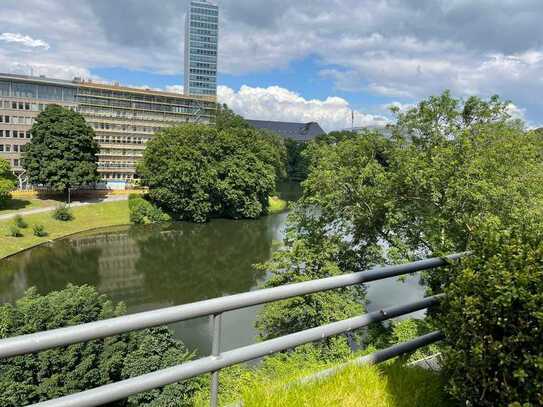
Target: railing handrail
(31, 343)
(123, 389)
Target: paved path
(74, 204)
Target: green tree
(62, 152)
(492, 317)
(196, 172)
(425, 190)
(7, 182)
(225, 118)
(57, 372)
(302, 262)
(297, 162)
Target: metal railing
(218, 360)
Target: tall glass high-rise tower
(201, 43)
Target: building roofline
(37, 79)
(122, 88)
(90, 84)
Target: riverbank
(87, 217)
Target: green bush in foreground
(63, 213)
(493, 320)
(143, 212)
(20, 222)
(39, 231)
(15, 231)
(60, 371)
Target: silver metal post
(215, 352)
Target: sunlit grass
(276, 205)
(357, 386)
(85, 218)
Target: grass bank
(389, 385)
(23, 203)
(85, 218)
(277, 205)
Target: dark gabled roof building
(295, 131)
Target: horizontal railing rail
(36, 342)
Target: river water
(149, 267)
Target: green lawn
(389, 385)
(277, 205)
(86, 218)
(23, 204)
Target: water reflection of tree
(191, 262)
(52, 269)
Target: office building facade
(201, 47)
(124, 119)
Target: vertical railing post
(215, 351)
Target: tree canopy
(7, 181)
(196, 172)
(62, 152)
(61, 371)
(225, 118)
(425, 188)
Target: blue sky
(300, 61)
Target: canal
(149, 267)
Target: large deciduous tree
(424, 187)
(61, 371)
(7, 181)
(196, 172)
(62, 152)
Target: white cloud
(277, 103)
(57, 71)
(24, 40)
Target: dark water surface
(149, 267)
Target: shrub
(7, 182)
(60, 371)
(39, 231)
(143, 212)
(493, 320)
(63, 213)
(20, 222)
(14, 231)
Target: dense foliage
(143, 212)
(493, 318)
(53, 373)
(424, 187)
(303, 262)
(297, 162)
(225, 119)
(196, 172)
(62, 152)
(7, 182)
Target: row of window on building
(110, 152)
(208, 11)
(34, 91)
(17, 120)
(15, 134)
(12, 148)
(197, 24)
(116, 164)
(123, 127)
(115, 175)
(121, 139)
